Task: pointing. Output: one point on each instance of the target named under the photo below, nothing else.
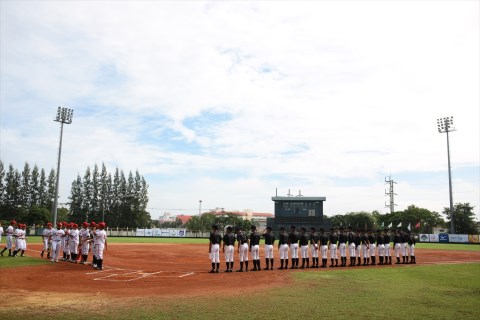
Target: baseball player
(73, 241)
(386, 243)
(269, 243)
(45, 240)
(314, 247)
(371, 247)
(214, 248)
(342, 246)
(303, 239)
(380, 247)
(9, 236)
(283, 248)
(397, 245)
(101, 244)
(351, 246)
(323, 241)
(255, 248)
(404, 246)
(57, 236)
(65, 246)
(358, 248)
(365, 245)
(333, 240)
(229, 242)
(411, 246)
(84, 242)
(93, 228)
(293, 238)
(242, 248)
(20, 243)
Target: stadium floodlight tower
(445, 125)
(64, 116)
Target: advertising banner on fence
(161, 233)
(433, 237)
(473, 238)
(458, 238)
(443, 237)
(423, 237)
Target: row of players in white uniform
(67, 238)
(16, 239)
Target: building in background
(299, 211)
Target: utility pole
(390, 193)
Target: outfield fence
(449, 238)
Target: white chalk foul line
(186, 275)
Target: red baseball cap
(59, 224)
(92, 224)
(85, 224)
(13, 222)
(49, 224)
(75, 226)
(64, 223)
(101, 225)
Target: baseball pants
(45, 244)
(85, 247)
(294, 250)
(99, 251)
(323, 251)
(244, 252)
(372, 249)
(381, 250)
(333, 251)
(73, 247)
(398, 249)
(357, 251)
(215, 253)
(304, 251)
(283, 251)
(365, 251)
(351, 250)
(9, 242)
(255, 252)
(342, 247)
(412, 250)
(268, 251)
(314, 250)
(56, 247)
(387, 249)
(403, 248)
(229, 253)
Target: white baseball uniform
(57, 237)
(100, 240)
(73, 241)
(45, 238)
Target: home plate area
(126, 275)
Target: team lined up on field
(359, 244)
(66, 237)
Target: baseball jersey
(386, 239)
(371, 238)
(403, 238)
(9, 231)
(323, 239)
(1, 231)
(46, 233)
(304, 239)
(254, 238)
(242, 238)
(333, 238)
(101, 236)
(229, 239)
(313, 238)
(351, 237)
(379, 239)
(215, 238)
(57, 234)
(364, 239)
(84, 234)
(74, 235)
(283, 238)
(293, 237)
(411, 240)
(269, 238)
(342, 238)
(396, 238)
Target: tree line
(119, 200)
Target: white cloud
(315, 91)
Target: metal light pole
(64, 116)
(199, 207)
(445, 125)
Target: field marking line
(116, 274)
(186, 275)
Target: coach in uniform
(242, 248)
(229, 242)
(269, 243)
(283, 248)
(293, 243)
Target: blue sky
(224, 102)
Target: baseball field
(169, 279)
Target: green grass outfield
(10, 262)
(441, 246)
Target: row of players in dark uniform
(361, 243)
